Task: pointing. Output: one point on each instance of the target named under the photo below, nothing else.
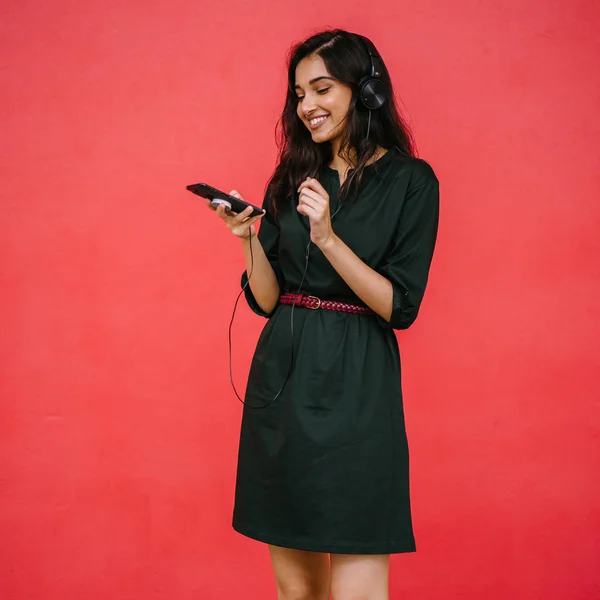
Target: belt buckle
(318, 302)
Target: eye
(323, 90)
(300, 98)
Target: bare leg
(301, 575)
(360, 577)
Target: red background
(118, 426)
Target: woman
(352, 215)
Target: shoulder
(415, 187)
(413, 172)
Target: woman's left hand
(314, 203)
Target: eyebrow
(314, 81)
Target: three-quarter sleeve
(268, 236)
(408, 261)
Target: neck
(348, 159)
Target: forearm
(263, 281)
(371, 287)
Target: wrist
(247, 238)
(329, 244)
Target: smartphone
(217, 197)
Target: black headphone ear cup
(371, 92)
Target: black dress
(326, 466)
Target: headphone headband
(376, 64)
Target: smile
(318, 121)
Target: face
(322, 102)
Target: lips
(316, 122)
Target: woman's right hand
(239, 224)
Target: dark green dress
(326, 466)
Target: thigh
(360, 576)
(300, 575)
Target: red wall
(118, 427)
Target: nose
(307, 105)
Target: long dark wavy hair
(347, 61)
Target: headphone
(371, 89)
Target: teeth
(317, 120)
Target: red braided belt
(315, 303)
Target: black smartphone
(217, 197)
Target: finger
(241, 217)
(246, 225)
(305, 201)
(315, 193)
(320, 197)
(308, 211)
(303, 185)
(308, 193)
(253, 220)
(316, 185)
(222, 212)
(209, 204)
(310, 203)
(318, 204)
(306, 182)
(235, 194)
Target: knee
(302, 590)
